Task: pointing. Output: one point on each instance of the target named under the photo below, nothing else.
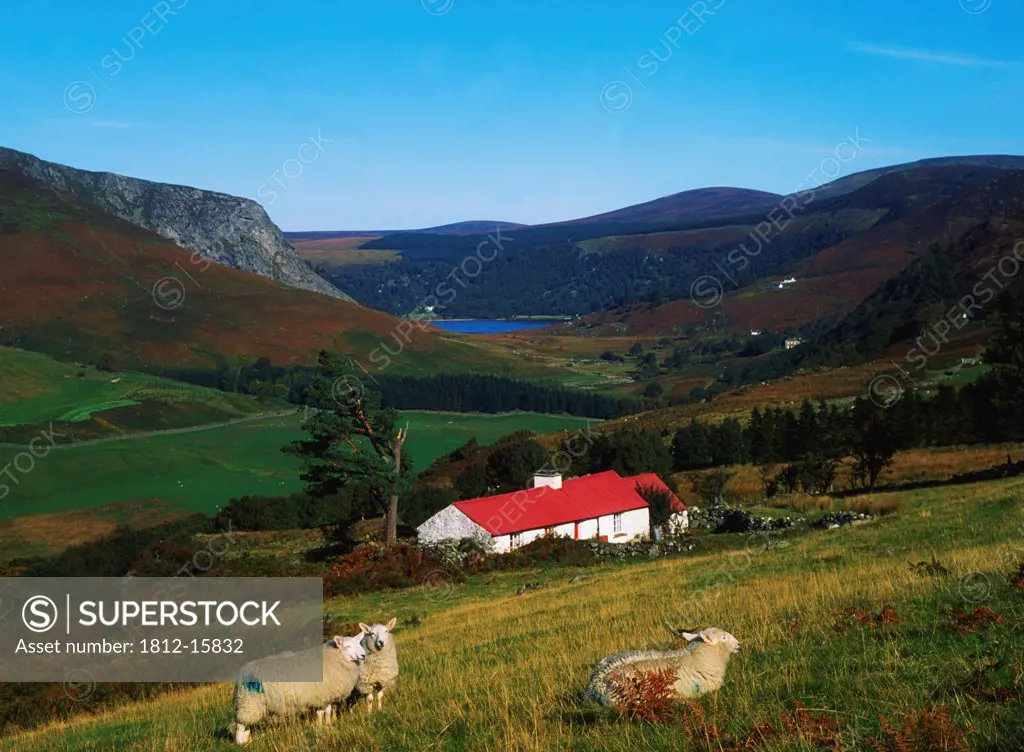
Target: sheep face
(715, 637)
(377, 636)
(354, 649)
(351, 646)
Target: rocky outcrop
(229, 230)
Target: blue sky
(435, 111)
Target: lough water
(490, 326)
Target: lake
(490, 326)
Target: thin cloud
(923, 56)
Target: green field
(35, 389)
(844, 647)
(203, 469)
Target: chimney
(551, 480)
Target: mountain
(851, 183)
(78, 283)
(875, 232)
(840, 246)
(689, 208)
(456, 228)
(699, 204)
(232, 231)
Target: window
(617, 523)
(549, 532)
(516, 540)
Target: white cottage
(604, 506)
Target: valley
(542, 400)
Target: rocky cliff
(232, 231)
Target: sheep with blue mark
(255, 698)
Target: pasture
(35, 390)
(201, 469)
(845, 646)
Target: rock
(228, 230)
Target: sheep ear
(336, 642)
(365, 628)
(391, 624)
(689, 636)
(709, 638)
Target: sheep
(380, 671)
(255, 698)
(699, 668)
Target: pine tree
(352, 440)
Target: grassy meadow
(202, 469)
(36, 390)
(843, 645)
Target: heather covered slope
(232, 231)
(78, 283)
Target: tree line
(467, 392)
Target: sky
(394, 114)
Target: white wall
(450, 524)
(588, 529)
(635, 525)
(550, 481)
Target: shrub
(649, 696)
(373, 567)
(710, 486)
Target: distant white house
(785, 282)
(792, 342)
(603, 506)
(755, 332)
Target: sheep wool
(380, 670)
(699, 668)
(255, 698)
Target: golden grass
(500, 672)
(42, 534)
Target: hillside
(879, 229)
(79, 283)
(232, 231)
(857, 180)
(844, 645)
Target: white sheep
(699, 668)
(380, 670)
(256, 698)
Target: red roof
(578, 499)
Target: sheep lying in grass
(256, 698)
(698, 668)
(380, 671)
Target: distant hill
(840, 246)
(456, 228)
(851, 183)
(79, 283)
(702, 203)
(876, 231)
(232, 231)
